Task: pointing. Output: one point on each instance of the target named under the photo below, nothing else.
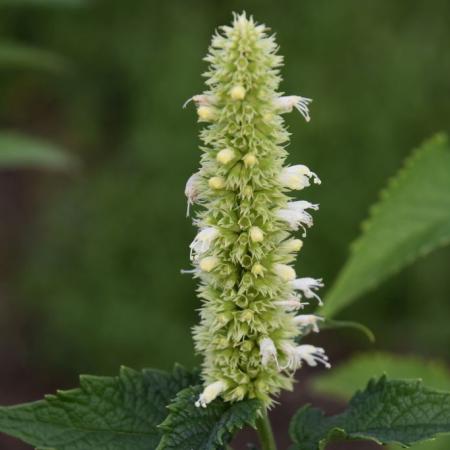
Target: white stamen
(308, 285)
(307, 353)
(203, 241)
(267, 351)
(291, 304)
(288, 103)
(296, 216)
(210, 393)
(308, 320)
(191, 190)
(298, 177)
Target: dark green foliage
(188, 427)
(397, 411)
(411, 219)
(108, 413)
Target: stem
(265, 433)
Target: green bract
(242, 254)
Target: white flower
(307, 353)
(291, 304)
(285, 272)
(287, 104)
(291, 245)
(203, 241)
(210, 393)
(308, 285)
(308, 320)
(200, 100)
(298, 177)
(267, 351)
(296, 216)
(191, 190)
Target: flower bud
(225, 156)
(285, 272)
(237, 92)
(209, 263)
(258, 270)
(250, 160)
(206, 113)
(256, 234)
(216, 183)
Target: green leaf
(111, 413)
(19, 56)
(188, 427)
(410, 220)
(18, 151)
(400, 411)
(329, 324)
(343, 380)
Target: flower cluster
(244, 250)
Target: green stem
(265, 433)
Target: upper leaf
(386, 412)
(108, 413)
(411, 219)
(18, 151)
(188, 427)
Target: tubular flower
(243, 253)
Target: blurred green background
(90, 258)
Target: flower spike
(243, 253)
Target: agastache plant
(243, 254)
(251, 226)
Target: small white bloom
(191, 190)
(307, 286)
(200, 100)
(287, 104)
(308, 320)
(296, 216)
(267, 351)
(298, 177)
(238, 92)
(210, 393)
(285, 272)
(256, 234)
(307, 353)
(209, 263)
(291, 304)
(203, 241)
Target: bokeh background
(90, 257)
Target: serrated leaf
(18, 151)
(188, 427)
(351, 375)
(399, 411)
(108, 413)
(411, 219)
